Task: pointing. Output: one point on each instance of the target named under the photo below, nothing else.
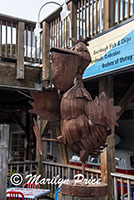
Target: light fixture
(64, 13)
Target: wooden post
(108, 156)
(4, 140)
(40, 158)
(106, 85)
(63, 150)
(73, 8)
(20, 51)
(109, 13)
(46, 54)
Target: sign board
(111, 51)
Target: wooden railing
(124, 9)
(89, 17)
(60, 33)
(23, 168)
(123, 186)
(65, 172)
(15, 34)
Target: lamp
(64, 13)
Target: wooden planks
(4, 140)
(8, 77)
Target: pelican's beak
(65, 65)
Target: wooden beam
(19, 122)
(53, 15)
(8, 77)
(126, 99)
(46, 53)
(4, 140)
(15, 20)
(62, 147)
(20, 51)
(108, 156)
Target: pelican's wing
(46, 104)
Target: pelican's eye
(73, 48)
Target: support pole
(108, 155)
(62, 148)
(4, 141)
(40, 158)
(20, 51)
(106, 85)
(46, 56)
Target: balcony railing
(88, 18)
(15, 34)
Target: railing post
(109, 13)
(73, 15)
(20, 50)
(46, 54)
(4, 140)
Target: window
(17, 146)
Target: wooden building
(21, 71)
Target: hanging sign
(112, 51)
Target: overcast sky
(27, 9)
